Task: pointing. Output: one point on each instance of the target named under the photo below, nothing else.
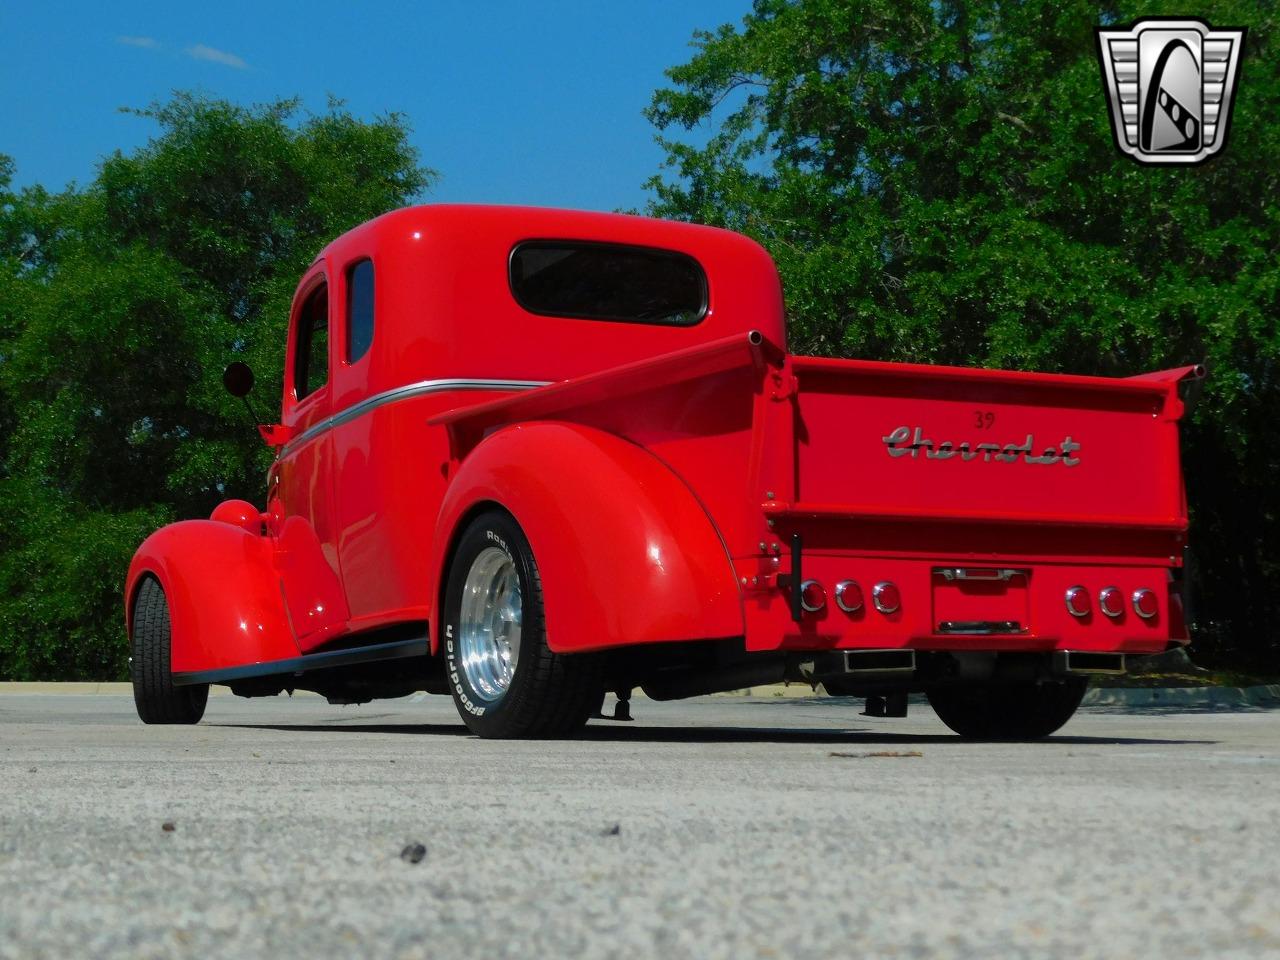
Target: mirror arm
(237, 377)
(253, 414)
(273, 434)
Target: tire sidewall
(492, 529)
(157, 698)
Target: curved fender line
(724, 545)
(626, 553)
(226, 608)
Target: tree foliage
(938, 183)
(120, 304)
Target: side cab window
(360, 309)
(311, 346)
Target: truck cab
(526, 457)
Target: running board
(415, 647)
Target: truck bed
(913, 443)
(883, 472)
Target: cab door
(302, 479)
(360, 503)
(387, 481)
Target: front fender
(625, 551)
(226, 607)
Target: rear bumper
(1028, 612)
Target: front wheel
(1024, 711)
(155, 695)
(506, 681)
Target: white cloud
(148, 43)
(214, 55)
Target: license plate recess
(981, 600)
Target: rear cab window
(605, 281)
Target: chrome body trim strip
(418, 389)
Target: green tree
(937, 182)
(120, 304)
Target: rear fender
(226, 605)
(625, 551)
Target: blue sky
(512, 102)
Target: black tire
(837, 688)
(1024, 711)
(549, 694)
(154, 694)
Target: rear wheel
(155, 695)
(506, 681)
(837, 688)
(1025, 711)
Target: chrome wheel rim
(489, 624)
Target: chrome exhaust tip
(879, 661)
(1077, 662)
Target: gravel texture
(711, 828)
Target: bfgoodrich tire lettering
(539, 693)
(154, 694)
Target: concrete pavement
(718, 827)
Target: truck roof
(514, 222)
(445, 306)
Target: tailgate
(941, 443)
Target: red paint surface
(660, 460)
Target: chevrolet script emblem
(906, 442)
(1170, 84)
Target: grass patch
(1212, 678)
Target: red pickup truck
(526, 457)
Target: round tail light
(812, 596)
(886, 597)
(1144, 603)
(849, 596)
(1078, 602)
(1111, 601)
